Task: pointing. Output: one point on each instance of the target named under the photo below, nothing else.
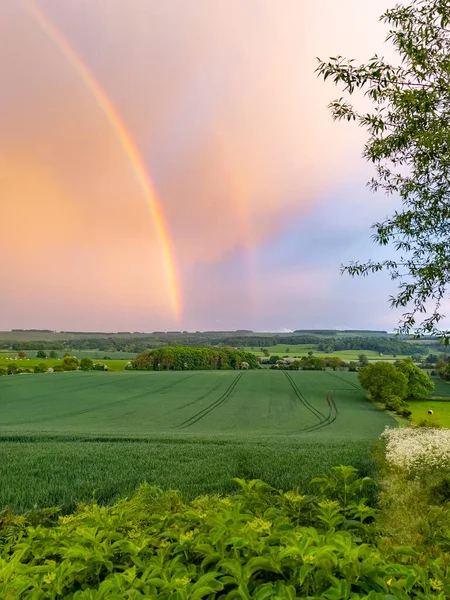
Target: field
(113, 364)
(437, 403)
(300, 350)
(67, 436)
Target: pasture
(299, 350)
(113, 364)
(67, 436)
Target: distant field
(29, 363)
(62, 436)
(303, 349)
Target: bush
(3, 372)
(99, 367)
(40, 368)
(70, 363)
(86, 364)
(58, 369)
(258, 543)
(405, 413)
(394, 403)
(11, 369)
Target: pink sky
(231, 122)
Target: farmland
(66, 435)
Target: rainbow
(127, 144)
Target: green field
(66, 436)
(440, 408)
(303, 349)
(29, 363)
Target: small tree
(53, 354)
(22, 354)
(11, 368)
(352, 366)
(41, 354)
(383, 381)
(363, 360)
(40, 368)
(86, 364)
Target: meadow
(113, 362)
(299, 350)
(65, 437)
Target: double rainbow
(127, 144)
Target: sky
(173, 166)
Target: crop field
(67, 436)
(299, 350)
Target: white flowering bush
(415, 450)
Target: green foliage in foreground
(259, 543)
(181, 358)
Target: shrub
(11, 369)
(58, 369)
(3, 372)
(70, 363)
(86, 364)
(394, 403)
(417, 449)
(99, 367)
(40, 368)
(259, 543)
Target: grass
(64, 436)
(437, 403)
(303, 349)
(29, 363)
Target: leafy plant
(258, 543)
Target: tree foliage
(419, 384)
(86, 363)
(395, 384)
(382, 380)
(70, 363)
(180, 358)
(409, 144)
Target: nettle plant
(259, 543)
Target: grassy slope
(47, 456)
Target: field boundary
(205, 411)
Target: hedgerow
(259, 543)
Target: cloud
(224, 105)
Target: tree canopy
(382, 380)
(409, 143)
(192, 358)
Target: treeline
(138, 344)
(180, 358)
(384, 345)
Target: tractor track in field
(355, 386)
(324, 420)
(102, 406)
(205, 411)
